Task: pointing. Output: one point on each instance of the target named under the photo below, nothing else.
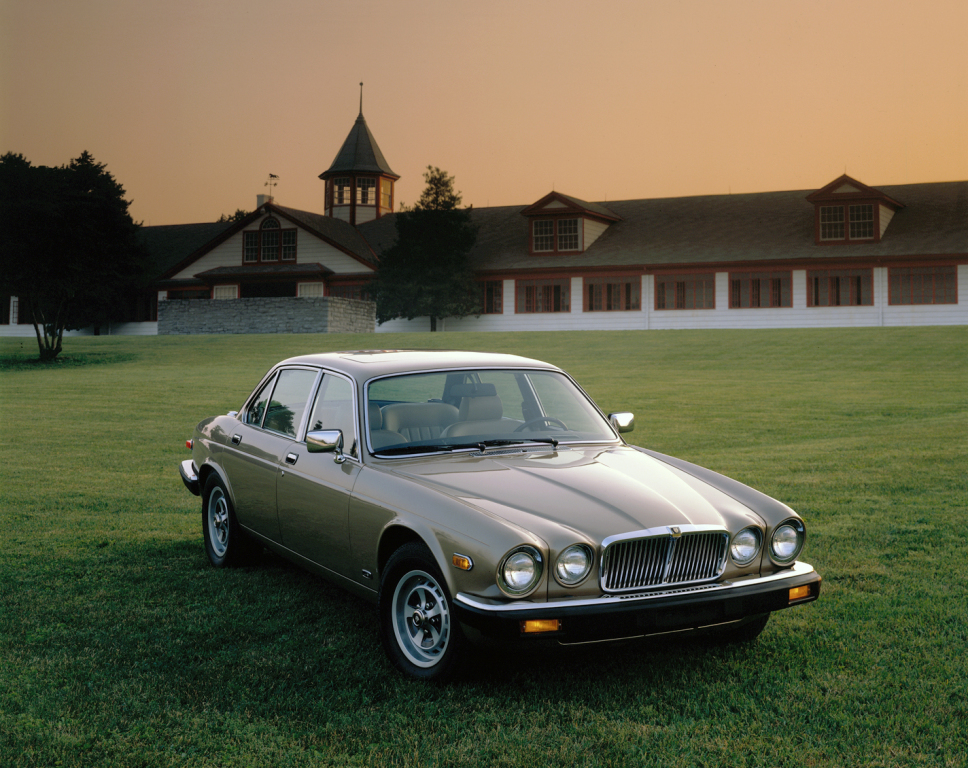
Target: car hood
(595, 491)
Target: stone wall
(268, 315)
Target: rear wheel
(225, 542)
(418, 628)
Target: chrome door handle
(291, 458)
(236, 439)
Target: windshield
(451, 410)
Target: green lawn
(120, 646)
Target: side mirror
(623, 422)
(326, 441)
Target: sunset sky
(192, 103)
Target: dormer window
(860, 218)
(562, 224)
(847, 211)
(270, 243)
(555, 235)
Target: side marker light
(462, 562)
(798, 593)
(533, 626)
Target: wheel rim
(218, 522)
(421, 618)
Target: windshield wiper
(481, 445)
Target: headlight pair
(521, 569)
(785, 544)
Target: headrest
(472, 390)
(481, 408)
(376, 416)
(401, 416)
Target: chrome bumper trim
(189, 476)
(483, 604)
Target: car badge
(676, 531)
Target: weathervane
(271, 183)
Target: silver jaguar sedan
(479, 497)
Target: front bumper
(189, 476)
(644, 613)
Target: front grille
(657, 559)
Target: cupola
(359, 183)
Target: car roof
(368, 363)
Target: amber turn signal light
(463, 562)
(533, 626)
(798, 593)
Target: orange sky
(192, 103)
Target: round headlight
(745, 546)
(787, 541)
(573, 565)
(520, 571)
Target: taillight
(189, 444)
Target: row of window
(342, 191)
(747, 290)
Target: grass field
(120, 646)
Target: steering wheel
(541, 420)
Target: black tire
(225, 542)
(745, 633)
(418, 628)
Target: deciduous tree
(69, 250)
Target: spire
(360, 152)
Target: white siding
(365, 213)
(593, 230)
(797, 316)
(886, 214)
(932, 314)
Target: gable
(310, 249)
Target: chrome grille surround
(656, 557)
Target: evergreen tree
(426, 272)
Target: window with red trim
(685, 291)
(760, 289)
(493, 297)
(845, 223)
(840, 287)
(612, 294)
(341, 191)
(270, 243)
(551, 295)
(350, 291)
(923, 285)
(555, 236)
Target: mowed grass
(120, 646)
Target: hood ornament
(676, 531)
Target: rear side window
(288, 401)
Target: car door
(259, 444)
(314, 488)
